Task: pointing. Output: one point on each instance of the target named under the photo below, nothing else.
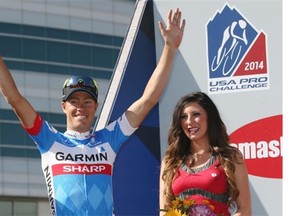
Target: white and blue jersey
(78, 167)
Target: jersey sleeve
(42, 134)
(35, 129)
(125, 125)
(116, 133)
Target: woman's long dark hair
(179, 144)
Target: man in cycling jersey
(77, 164)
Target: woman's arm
(161, 190)
(242, 183)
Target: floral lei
(190, 208)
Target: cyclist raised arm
(172, 36)
(22, 108)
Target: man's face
(80, 110)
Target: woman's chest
(212, 179)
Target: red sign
(260, 142)
(88, 169)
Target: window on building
(24, 208)
(18, 208)
(6, 208)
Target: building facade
(44, 42)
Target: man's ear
(96, 106)
(63, 105)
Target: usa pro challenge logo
(236, 54)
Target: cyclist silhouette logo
(230, 49)
(235, 48)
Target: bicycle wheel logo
(236, 53)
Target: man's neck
(77, 135)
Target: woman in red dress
(201, 174)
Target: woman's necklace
(195, 160)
